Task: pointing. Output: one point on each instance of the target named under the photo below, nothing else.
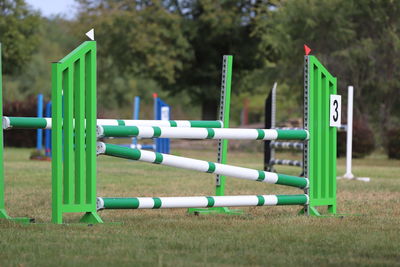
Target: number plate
(336, 111)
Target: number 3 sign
(336, 110)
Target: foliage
(21, 137)
(138, 42)
(147, 46)
(363, 137)
(54, 41)
(179, 44)
(358, 41)
(214, 29)
(18, 34)
(393, 143)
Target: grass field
(368, 235)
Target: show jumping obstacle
(74, 145)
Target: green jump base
(214, 210)
(23, 220)
(91, 218)
(315, 213)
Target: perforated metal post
(305, 127)
(224, 114)
(270, 113)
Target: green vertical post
(79, 103)
(3, 213)
(68, 133)
(56, 143)
(74, 136)
(320, 151)
(91, 137)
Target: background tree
(140, 45)
(178, 44)
(214, 29)
(18, 34)
(357, 40)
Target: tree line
(177, 45)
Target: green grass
(370, 235)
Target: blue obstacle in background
(161, 111)
(39, 132)
(47, 132)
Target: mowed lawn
(368, 233)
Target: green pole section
(292, 135)
(205, 124)
(292, 199)
(26, 122)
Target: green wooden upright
(3, 213)
(320, 151)
(73, 140)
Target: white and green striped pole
(200, 133)
(200, 165)
(45, 123)
(200, 202)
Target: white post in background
(349, 138)
(349, 132)
(273, 117)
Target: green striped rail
(199, 202)
(200, 165)
(200, 133)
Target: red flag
(307, 50)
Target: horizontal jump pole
(288, 145)
(45, 123)
(200, 202)
(287, 162)
(200, 165)
(200, 133)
